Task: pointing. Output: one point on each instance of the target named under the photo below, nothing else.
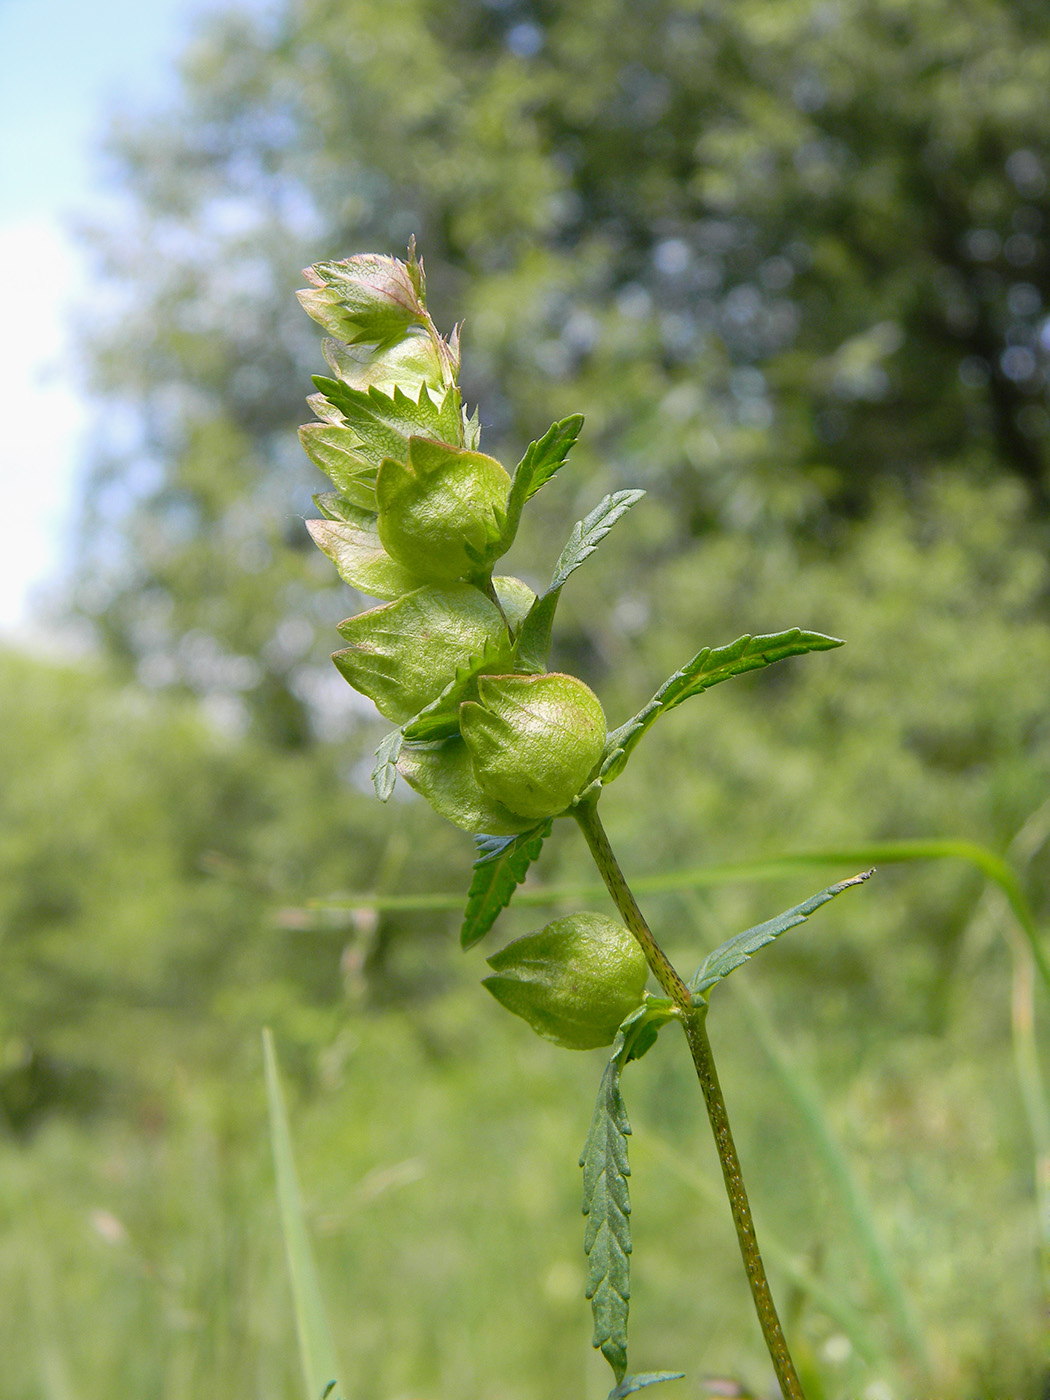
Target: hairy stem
(608, 868)
(693, 1020)
(703, 1059)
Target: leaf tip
(855, 880)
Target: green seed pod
(575, 981)
(404, 654)
(438, 514)
(534, 740)
(442, 773)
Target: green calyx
(442, 772)
(534, 741)
(404, 654)
(441, 512)
(574, 981)
(354, 547)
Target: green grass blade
(992, 866)
(856, 1204)
(316, 1351)
(830, 1301)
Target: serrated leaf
(499, 868)
(378, 438)
(534, 639)
(383, 423)
(709, 667)
(738, 950)
(630, 1384)
(589, 532)
(542, 459)
(384, 774)
(607, 1206)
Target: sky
(64, 66)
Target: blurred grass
(150, 929)
(316, 1352)
(448, 1232)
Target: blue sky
(64, 65)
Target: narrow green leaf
(589, 532)
(384, 774)
(709, 667)
(630, 1384)
(534, 639)
(500, 867)
(607, 1206)
(737, 950)
(533, 644)
(542, 459)
(316, 1351)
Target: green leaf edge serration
(607, 1206)
(710, 666)
(739, 949)
(501, 865)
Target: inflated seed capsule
(442, 773)
(575, 981)
(407, 364)
(534, 740)
(439, 513)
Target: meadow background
(791, 259)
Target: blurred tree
(145, 856)
(775, 251)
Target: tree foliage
(774, 252)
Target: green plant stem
(803, 1094)
(586, 813)
(703, 1059)
(693, 1021)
